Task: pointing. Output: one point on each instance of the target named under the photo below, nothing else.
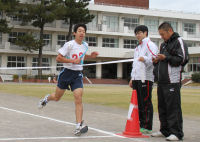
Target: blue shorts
(70, 78)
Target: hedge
(196, 77)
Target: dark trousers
(169, 109)
(144, 95)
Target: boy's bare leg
(57, 95)
(80, 127)
(54, 96)
(78, 104)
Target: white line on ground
(53, 138)
(68, 123)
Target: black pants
(169, 108)
(144, 95)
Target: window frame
(131, 44)
(91, 40)
(44, 64)
(107, 42)
(131, 24)
(187, 27)
(19, 61)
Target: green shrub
(15, 76)
(24, 77)
(42, 77)
(196, 77)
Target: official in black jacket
(168, 73)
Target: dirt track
(20, 120)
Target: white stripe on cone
(131, 107)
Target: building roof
(144, 12)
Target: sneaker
(157, 134)
(82, 129)
(142, 130)
(172, 138)
(77, 132)
(43, 102)
(145, 131)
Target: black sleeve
(175, 57)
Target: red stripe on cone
(132, 128)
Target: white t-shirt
(73, 50)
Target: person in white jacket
(142, 77)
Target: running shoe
(157, 134)
(43, 102)
(172, 138)
(145, 131)
(81, 130)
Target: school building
(111, 33)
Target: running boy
(72, 55)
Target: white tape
(110, 62)
(92, 64)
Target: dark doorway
(127, 68)
(109, 71)
(89, 71)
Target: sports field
(109, 95)
(105, 112)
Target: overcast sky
(177, 5)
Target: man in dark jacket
(169, 65)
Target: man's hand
(94, 54)
(141, 59)
(161, 56)
(130, 83)
(155, 60)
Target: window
(59, 66)
(131, 23)
(173, 24)
(112, 23)
(13, 36)
(190, 28)
(45, 63)
(16, 61)
(65, 24)
(15, 18)
(61, 40)
(194, 64)
(110, 42)
(131, 44)
(92, 41)
(152, 25)
(47, 39)
(190, 43)
(93, 24)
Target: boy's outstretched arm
(92, 55)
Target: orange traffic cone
(132, 128)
